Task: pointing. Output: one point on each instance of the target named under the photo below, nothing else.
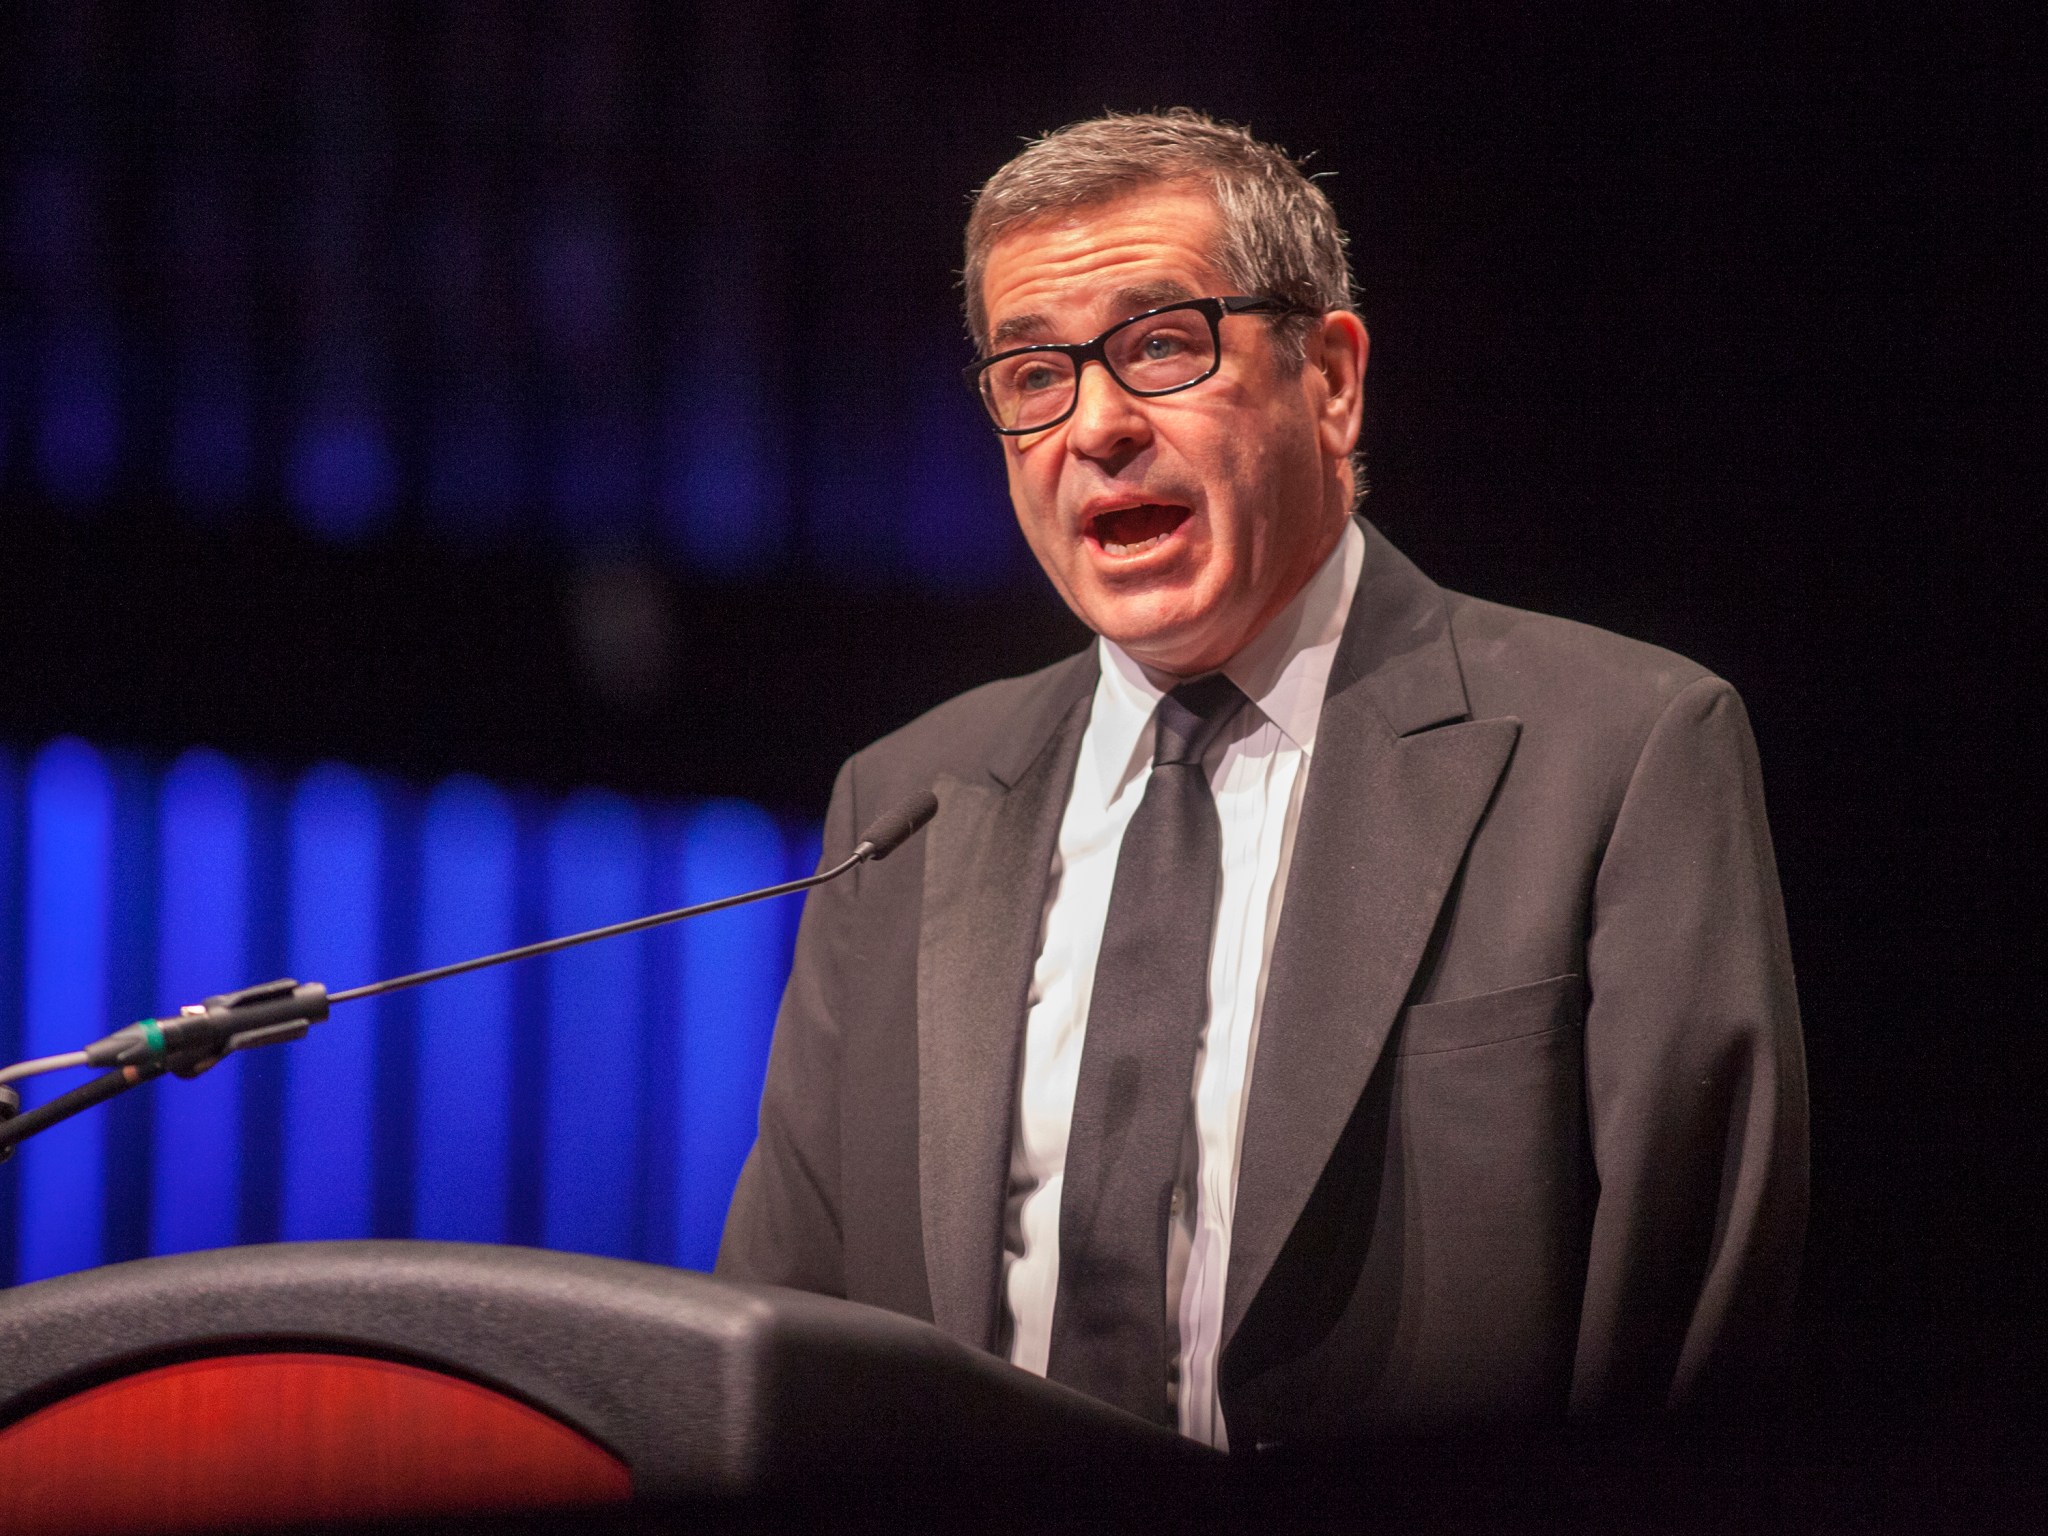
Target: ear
(1337, 351)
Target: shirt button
(1176, 1203)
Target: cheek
(1034, 497)
(1241, 481)
(1228, 449)
(1273, 485)
(1025, 495)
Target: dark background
(1710, 324)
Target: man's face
(1176, 526)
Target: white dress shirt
(1257, 771)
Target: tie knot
(1192, 717)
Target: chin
(1165, 649)
(1175, 637)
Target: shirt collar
(1284, 671)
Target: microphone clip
(198, 1036)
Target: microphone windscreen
(886, 834)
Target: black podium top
(701, 1386)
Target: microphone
(888, 833)
(199, 1035)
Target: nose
(1108, 422)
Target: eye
(1034, 374)
(1033, 377)
(1161, 352)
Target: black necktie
(1145, 1016)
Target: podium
(293, 1382)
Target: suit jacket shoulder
(1589, 701)
(1535, 666)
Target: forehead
(1091, 266)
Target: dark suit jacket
(1527, 1126)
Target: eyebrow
(1022, 330)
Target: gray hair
(1280, 237)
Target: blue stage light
(463, 1102)
(614, 1018)
(202, 947)
(729, 971)
(61, 1177)
(78, 418)
(591, 1122)
(959, 535)
(725, 493)
(336, 848)
(341, 477)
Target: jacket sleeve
(783, 1224)
(1695, 1078)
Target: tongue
(1134, 525)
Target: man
(1328, 1002)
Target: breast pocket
(1492, 1018)
(1488, 1132)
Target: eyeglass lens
(1151, 355)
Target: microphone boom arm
(197, 1037)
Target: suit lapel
(988, 862)
(1397, 786)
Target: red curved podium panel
(270, 1439)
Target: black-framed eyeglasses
(1159, 352)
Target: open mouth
(1126, 531)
